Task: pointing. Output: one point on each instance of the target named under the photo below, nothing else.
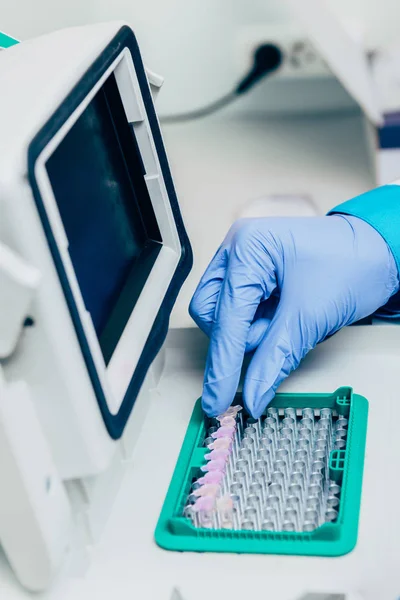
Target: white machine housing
(33, 88)
(81, 160)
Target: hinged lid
(79, 119)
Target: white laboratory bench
(127, 564)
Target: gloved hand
(279, 286)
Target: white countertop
(128, 558)
(128, 565)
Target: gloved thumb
(272, 362)
(262, 320)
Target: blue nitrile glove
(280, 286)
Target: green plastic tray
(175, 532)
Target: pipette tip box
(334, 533)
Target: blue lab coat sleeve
(380, 208)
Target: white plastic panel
(116, 377)
(18, 282)
(35, 518)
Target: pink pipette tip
(232, 411)
(211, 477)
(227, 422)
(225, 503)
(220, 444)
(204, 503)
(214, 465)
(210, 489)
(221, 453)
(225, 510)
(223, 432)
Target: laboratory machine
(96, 394)
(94, 252)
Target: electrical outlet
(300, 58)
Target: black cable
(267, 58)
(199, 113)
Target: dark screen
(97, 177)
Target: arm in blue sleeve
(380, 208)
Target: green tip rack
(177, 532)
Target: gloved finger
(271, 364)
(257, 331)
(262, 320)
(205, 298)
(279, 353)
(241, 293)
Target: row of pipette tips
(271, 477)
(212, 505)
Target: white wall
(189, 43)
(193, 44)
(28, 18)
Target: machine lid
(104, 192)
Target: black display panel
(124, 41)
(97, 177)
